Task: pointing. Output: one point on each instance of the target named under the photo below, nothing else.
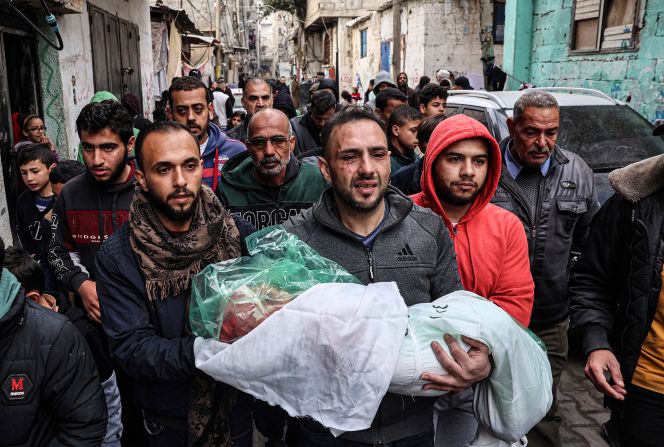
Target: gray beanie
(384, 76)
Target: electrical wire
(50, 19)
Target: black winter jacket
(85, 215)
(33, 230)
(615, 286)
(148, 340)
(407, 179)
(51, 394)
(307, 136)
(559, 230)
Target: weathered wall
(639, 73)
(435, 35)
(66, 77)
(5, 226)
(53, 101)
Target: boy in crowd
(388, 100)
(407, 179)
(28, 273)
(63, 172)
(33, 208)
(402, 136)
(433, 98)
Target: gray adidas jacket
(413, 249)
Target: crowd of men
(94, 338)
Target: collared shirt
(514, 168)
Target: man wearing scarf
(176, 228)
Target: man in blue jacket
(190, 106)
(176, 228)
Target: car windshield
(607, 137)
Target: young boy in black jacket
(34, 206)
(27, 272)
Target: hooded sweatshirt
(262, 205)
(218, 151)
(490, 243)
(85, 214)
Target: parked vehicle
(606, 133)
(237, 95)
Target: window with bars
(604, 25)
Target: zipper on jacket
(370, 261)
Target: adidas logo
(406, 254)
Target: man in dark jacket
(617, 305)
(552, 191)
(176, 228)
(377, 234)
(268, 184)
(256, 95)
(190, 106)
(402, 84)
(307, 127)
(51, 393)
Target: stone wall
(638, 74)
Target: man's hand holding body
(464, 368)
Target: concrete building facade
(107, 46)
(433, 34)
(615, 47)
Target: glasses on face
(277, 141)
(37, 129)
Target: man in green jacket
(266, 185)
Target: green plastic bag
(230, 298)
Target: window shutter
(587, 9)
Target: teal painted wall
(51, 94)
(518, 41)
(639, 73)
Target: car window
(451, 110)
(478, 114)
(607, 137)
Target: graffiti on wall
(52, 98)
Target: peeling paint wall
(66, 77)
(50, 83)
(637, 74)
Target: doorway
(19, 96)
(115, 54)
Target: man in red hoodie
(460, 175)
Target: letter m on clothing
(17, 383)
